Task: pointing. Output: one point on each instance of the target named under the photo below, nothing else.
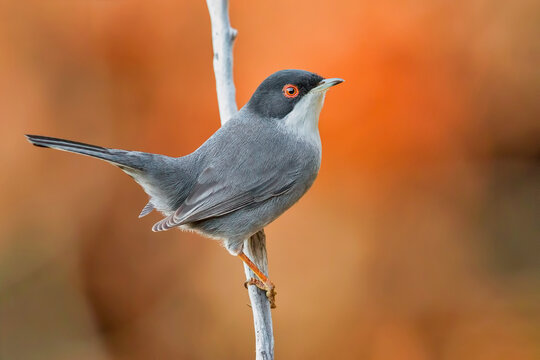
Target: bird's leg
(262, 282)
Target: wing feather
(213, 196)
(147, 209)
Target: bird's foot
(266, 286)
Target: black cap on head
(278, 93)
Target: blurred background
(419, 240)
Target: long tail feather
(120, 158)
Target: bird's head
(291, 96)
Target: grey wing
(216, 194)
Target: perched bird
(252, 169)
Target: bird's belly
(246, 221)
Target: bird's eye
(290, 91)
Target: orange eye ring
(290, 91)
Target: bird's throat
(303, 120)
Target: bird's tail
(126, 160)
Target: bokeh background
(419, 240)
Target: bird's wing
(217, 193)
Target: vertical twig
(223, 37)
(255, 249)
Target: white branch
(223, 36)
(255, 247)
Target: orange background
(419, 239)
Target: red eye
(290, 91)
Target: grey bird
(250, 171)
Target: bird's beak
(326, 84)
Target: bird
(248, 173)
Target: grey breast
(264, 169)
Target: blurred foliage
(419, 240)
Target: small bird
(250, 171)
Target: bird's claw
(268, 287)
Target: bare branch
(223, 36)
(255, 248)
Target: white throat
(303, 120)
